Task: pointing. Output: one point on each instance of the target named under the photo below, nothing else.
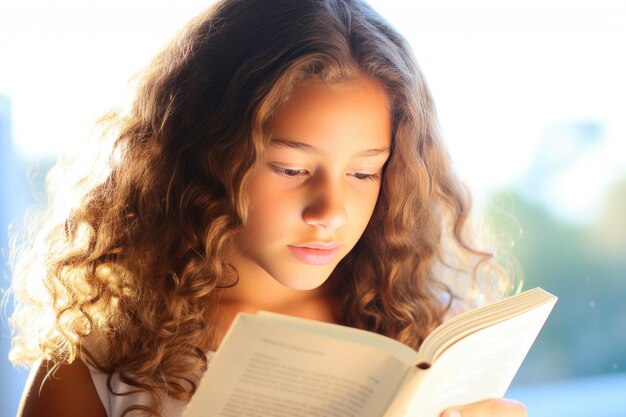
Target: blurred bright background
(531, 98)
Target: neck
(257, 290)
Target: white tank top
(115, 405)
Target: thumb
(489, 408)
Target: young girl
(280, 155)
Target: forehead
(318, 113)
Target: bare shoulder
(67, 392)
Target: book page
(479, 318)
(479, 366)
(264, 370)
(362, 337)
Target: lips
(316, 253)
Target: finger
(489, 408)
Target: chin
(304, 283)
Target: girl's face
(314, 192)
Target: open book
(275, 365)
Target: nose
(326, 206)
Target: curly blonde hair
(140, 259)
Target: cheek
(362, 210)
(270, 211)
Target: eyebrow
(305, 147)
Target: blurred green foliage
(585, 266)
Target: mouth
(315, 253)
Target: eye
(287, 172)
(363, 176)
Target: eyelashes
(303, 173)
(362, 176)
(287, 172)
